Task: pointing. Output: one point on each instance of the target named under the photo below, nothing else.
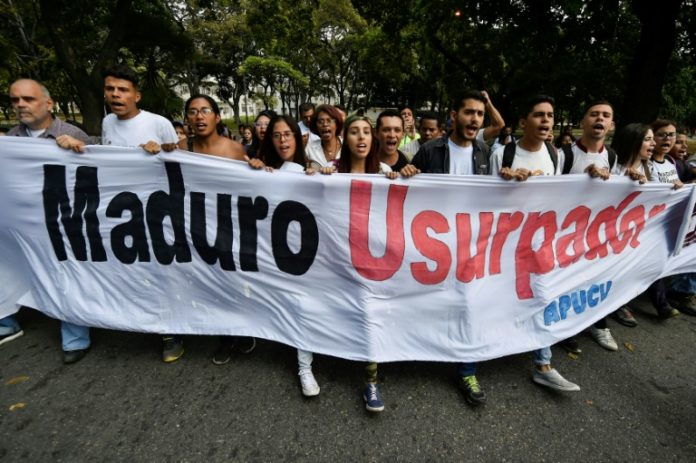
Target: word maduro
(612, 228)
(129, 240)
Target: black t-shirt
(400, 163)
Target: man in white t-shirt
(532, 155)
(589, 154)
(306, 113)
(459, 154)
(128, 125)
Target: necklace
(331, 154)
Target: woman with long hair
(259, 133)
(359, 155)
(282, 149)
(635, 146)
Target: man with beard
(458, 154)
(390, 131)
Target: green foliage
(358, 53)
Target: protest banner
(441, 268)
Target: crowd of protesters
(400, 143)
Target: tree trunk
(646, 75)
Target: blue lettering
(592, 299)
(604, 290)
(563, 306)
(579, 299)
(551, 314)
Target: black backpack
(569, 156)
(511, 148)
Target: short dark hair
(459, 98)
(121, 71)
(431, 115)
(659, 123)
(389, 113)
(406, 107)
(306, 106)
(268, 153)
(535, 100)
(596, 103)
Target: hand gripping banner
(442, 268)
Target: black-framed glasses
(666, 135)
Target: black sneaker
(571, 345)
(246, 344)
(667, 313)
(472, 391)
(172, 348)
(223, 353)
(685, 303)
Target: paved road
(121, 403)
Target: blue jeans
(74, 337)
(466, 369)
(304, 359)
(684, 283)
(9, 325)
(542, 356)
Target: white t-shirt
(461, 160)
(291, 167)
(35, 133)
(663, 172)
(583, 159)
(531, 160)
(137, 130)
(621, 170)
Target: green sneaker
(472, 391)
(172, 348)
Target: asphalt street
(121, 403)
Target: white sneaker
(604, 338)
(553, 379)
(310, 388)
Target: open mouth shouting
(598, 129)
(471, 130)
(200, 127)
(544, 131)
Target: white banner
(440, 268)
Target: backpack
(569, 156)
(511, 148)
